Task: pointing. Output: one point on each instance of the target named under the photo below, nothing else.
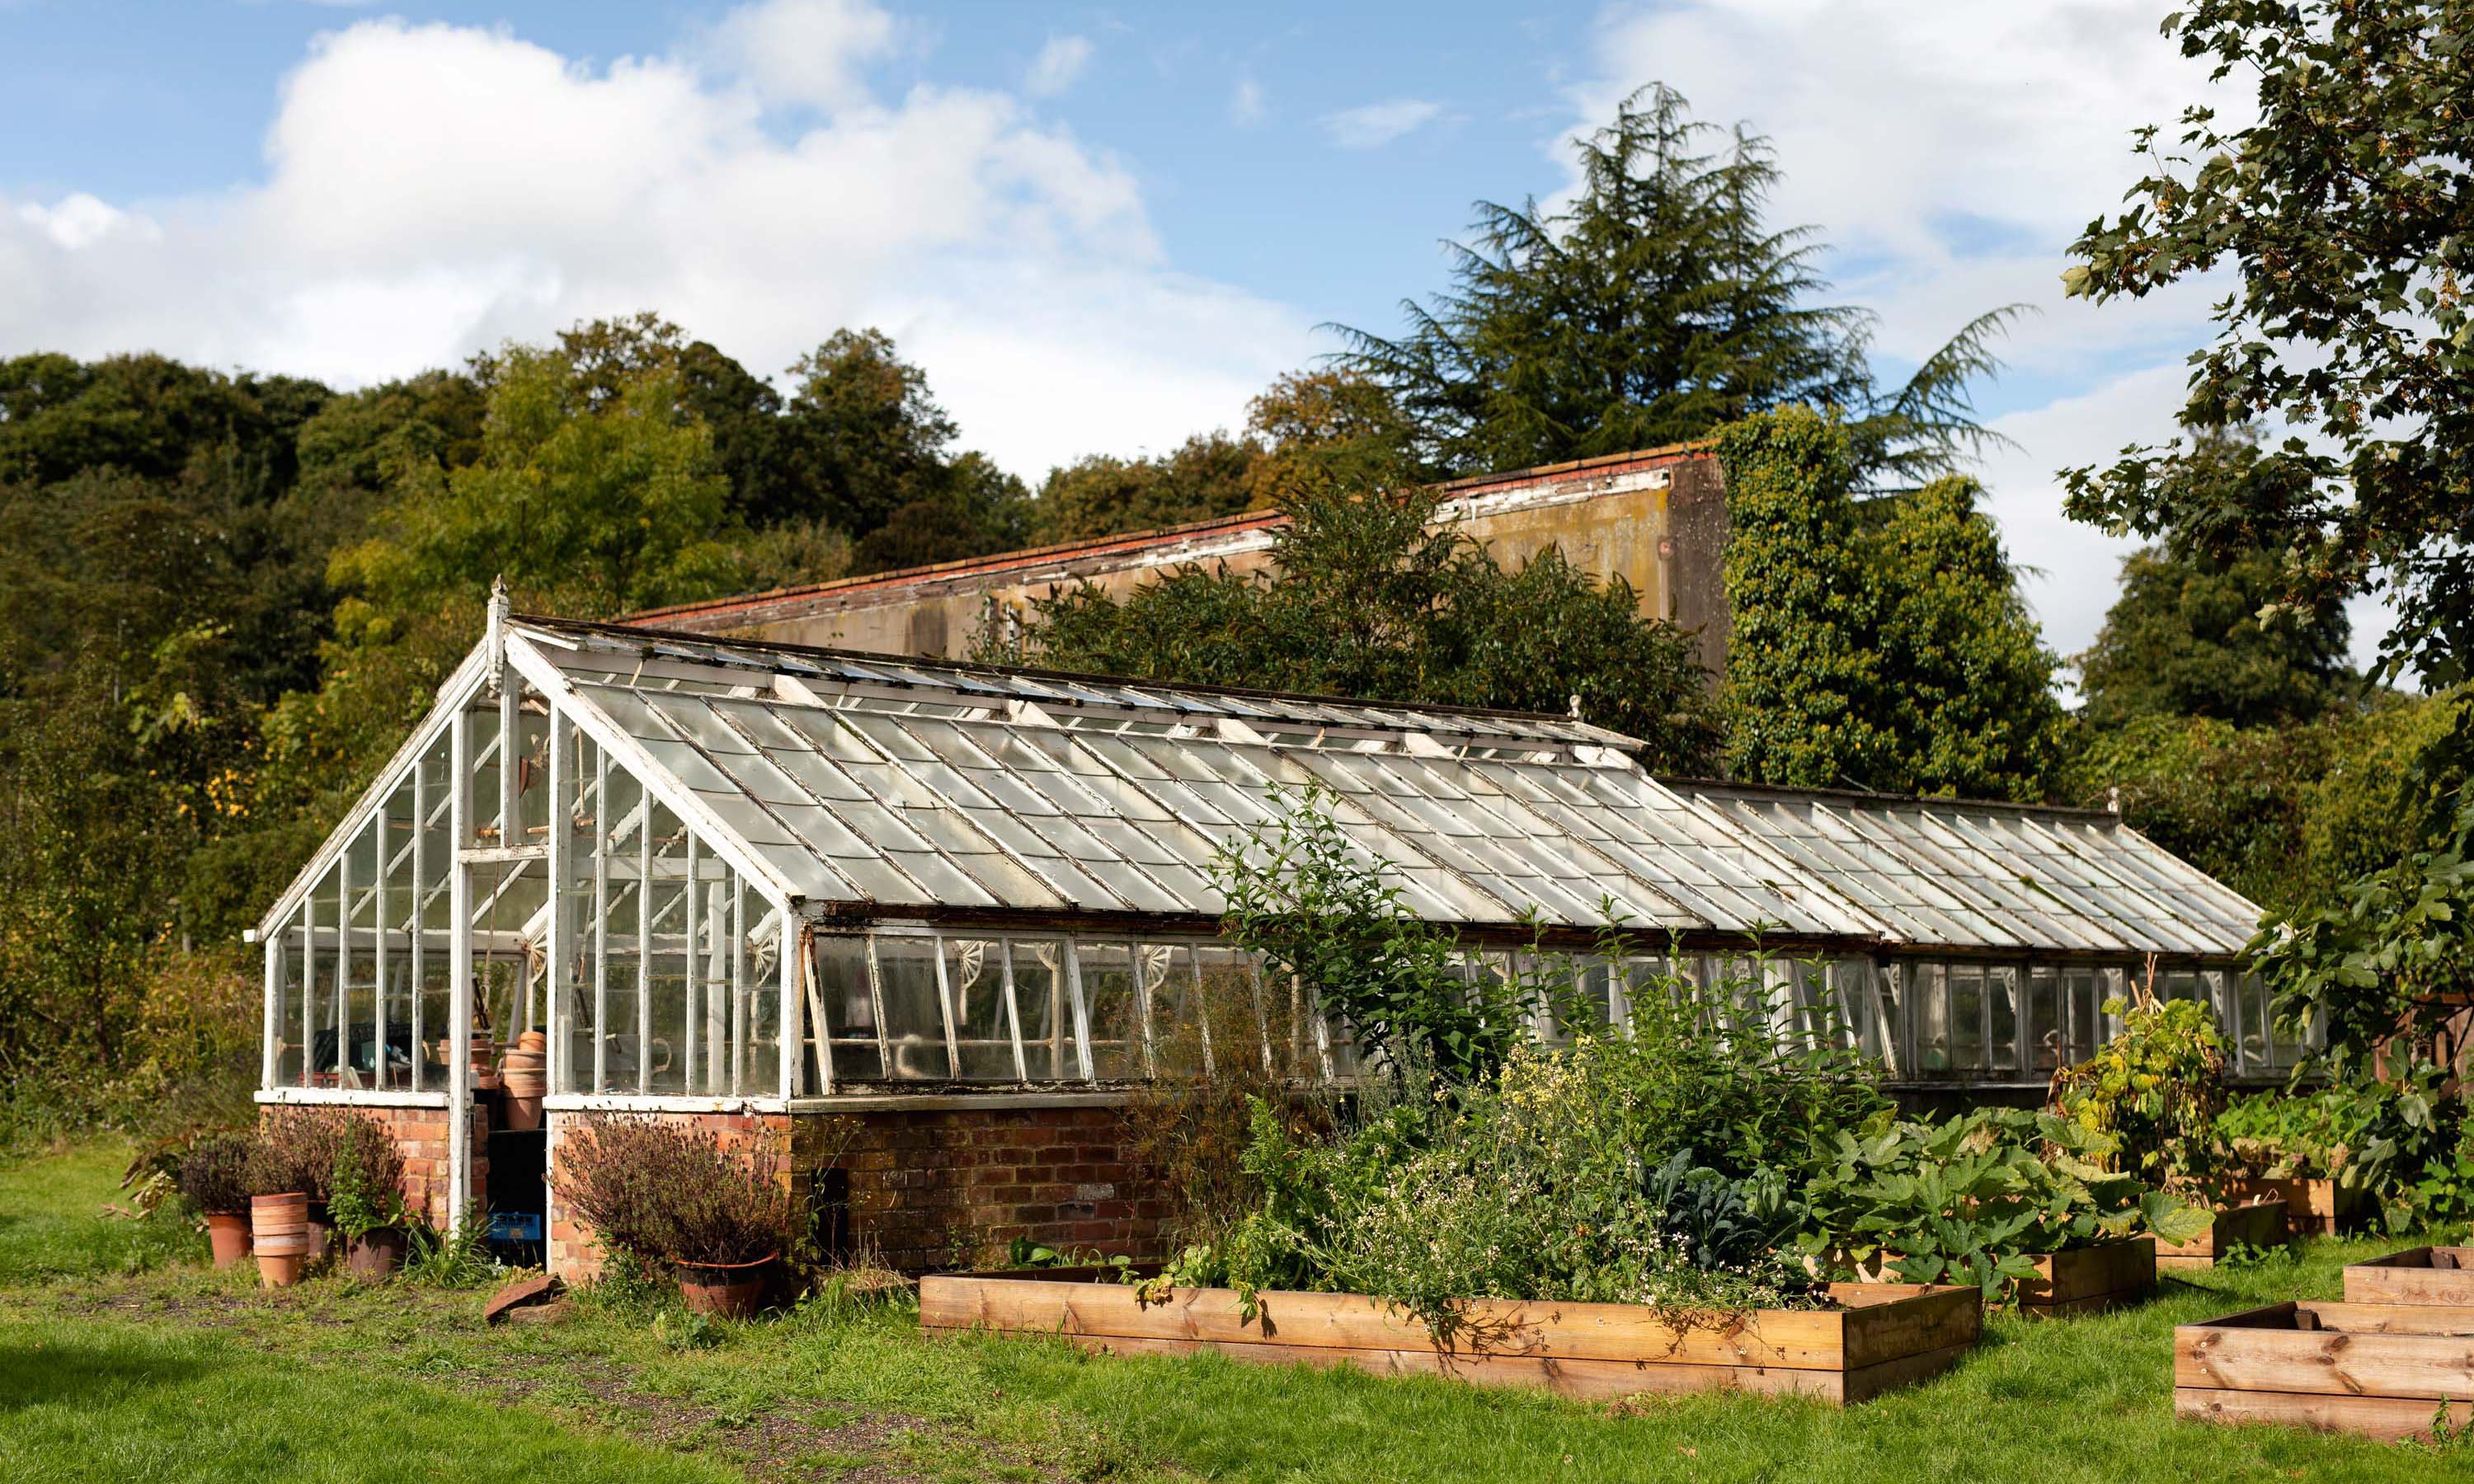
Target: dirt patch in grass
(783, 1440)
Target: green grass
(52, 1222)
(117, 1401)
(175, 1357)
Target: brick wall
(934, 1188)
(421, 1133)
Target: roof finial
(1576, 705)
(494, 639)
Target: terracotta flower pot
(731, 1290)
(228, 1231)
(278, 1228)
(375, 1256)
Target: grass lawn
(51, 1222)
(178, 1371)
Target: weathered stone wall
(1657, 520)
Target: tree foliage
(1658, 305)
(1372, 596)
(1882, 645)
(2346, 212)
(2206, 633)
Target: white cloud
(1378, 124)
(803, 51)
(1057, 67)
(1246, 103)
(431, 190)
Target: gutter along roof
(876, 786)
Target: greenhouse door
(497, 1145)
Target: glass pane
(2045, 1033)
(1928, 1003)
(481, 725)
(2002, 1000)
(975, 982)
(1966, 1017)
(1046, 1019)
(1885, 1018)
(761, 1039)
(850, 1011)
(915, 1031)
(1108, 1006)
(284, 950)
(1229, 1001)
(1170, 1013)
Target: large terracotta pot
(278, 1228)
(525, 1069)
(228, 1231)
(375, 1256)
(731, 1290)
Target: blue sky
(1098, 228)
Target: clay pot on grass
(228, 1231)
(726, 1290)
(278, 1228)
(373, 1257)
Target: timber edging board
(2417, 1275)
(1884, 1335)
(2089, 1280)
(2318, 1207)
(2380, 1370)
(2258, 1223)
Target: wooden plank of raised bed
(1803, 1340)
(2419, 1275)
(2106, 1271)
(2329, 1362)
(1923, 1320)
(2387, 1318)
(2386, 1419)
(2259, 1224)
(1591, 1380)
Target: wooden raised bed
(2380, 1370)
(2419, 1275)
(2312, 1208)
(2090, 1280)
(2260, 1224)
(1884, 1336)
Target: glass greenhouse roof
(871, 785)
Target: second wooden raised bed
(2258, 1226)
(2312, 1208)
(2381, 1369)
(1884, 1336)
(2090, 1280)
(2419, 1275)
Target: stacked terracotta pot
(526, 1069)
(282, 1236)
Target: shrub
(1968, 1200)
(297, 1152)
(1429, 1193)
(364, 1182)
(662, 1189)
(214, 1173)
(2155, 1091)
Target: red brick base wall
(935, 1188)
(421, 1133)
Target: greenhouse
(616, 868)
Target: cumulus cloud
(803, 51)
(431, 190)
(1057, 67)
(1377, 124)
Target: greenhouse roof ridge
(1547, 726)
(1845, 794)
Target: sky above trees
(1096, 231)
